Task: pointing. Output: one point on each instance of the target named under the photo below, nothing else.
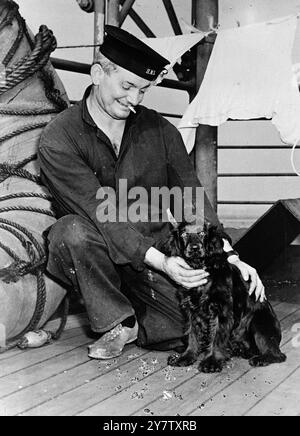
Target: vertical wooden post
(113, 12)
(206, 146)
(127, 6)
(99, 12)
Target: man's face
(118, 90)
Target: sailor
(109, 138)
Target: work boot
(111, 344)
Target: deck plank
(31, 357)
(162, 383)
(283, 400)
(60, 379)
(14, 352)
(245, 392)
(74, 322)
(95, 381)
(44, 370)
(157, 385)
(249, 387)
(284, 310)
(64, 382)
(10, 353)
(201, 388)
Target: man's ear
(96, 73)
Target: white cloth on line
(173, 47)
(249, 75)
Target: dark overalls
(105, 261)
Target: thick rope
(44, 41)
(7, 170)
(10, 252)
(9, 70)
(23, 65)
(38, 313)
(13, 111)
(25, 195)
(17, 231)
(27, 209)
(20, 268)
(23, 129)
(15, 228)
(43, 44)
(25, 161)
(51, 92)
(12, 51)
(11, 12)
(66, 309)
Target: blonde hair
(107, 65)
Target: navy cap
(131, 53)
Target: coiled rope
(8, 170)
(42, 46)
(34, 63)
(22, 129)
(16, 111)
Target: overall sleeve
(74, 187)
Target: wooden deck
(60, 379)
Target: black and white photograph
(149, 211)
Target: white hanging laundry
(173, 47)
(250, 75)
(296, 71)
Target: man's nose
(134, 97)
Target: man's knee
(73, 232)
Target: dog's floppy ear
(172, 246)
(214, 242)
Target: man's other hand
(250, 273)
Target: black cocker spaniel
(223, 321)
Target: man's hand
(179, 271)
(176, 268)
(248, 272)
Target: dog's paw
(258, 361)
(173, 360)
(181, 360)
(268, 359)
(281, 358)
(238, 349)
(211, 365)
